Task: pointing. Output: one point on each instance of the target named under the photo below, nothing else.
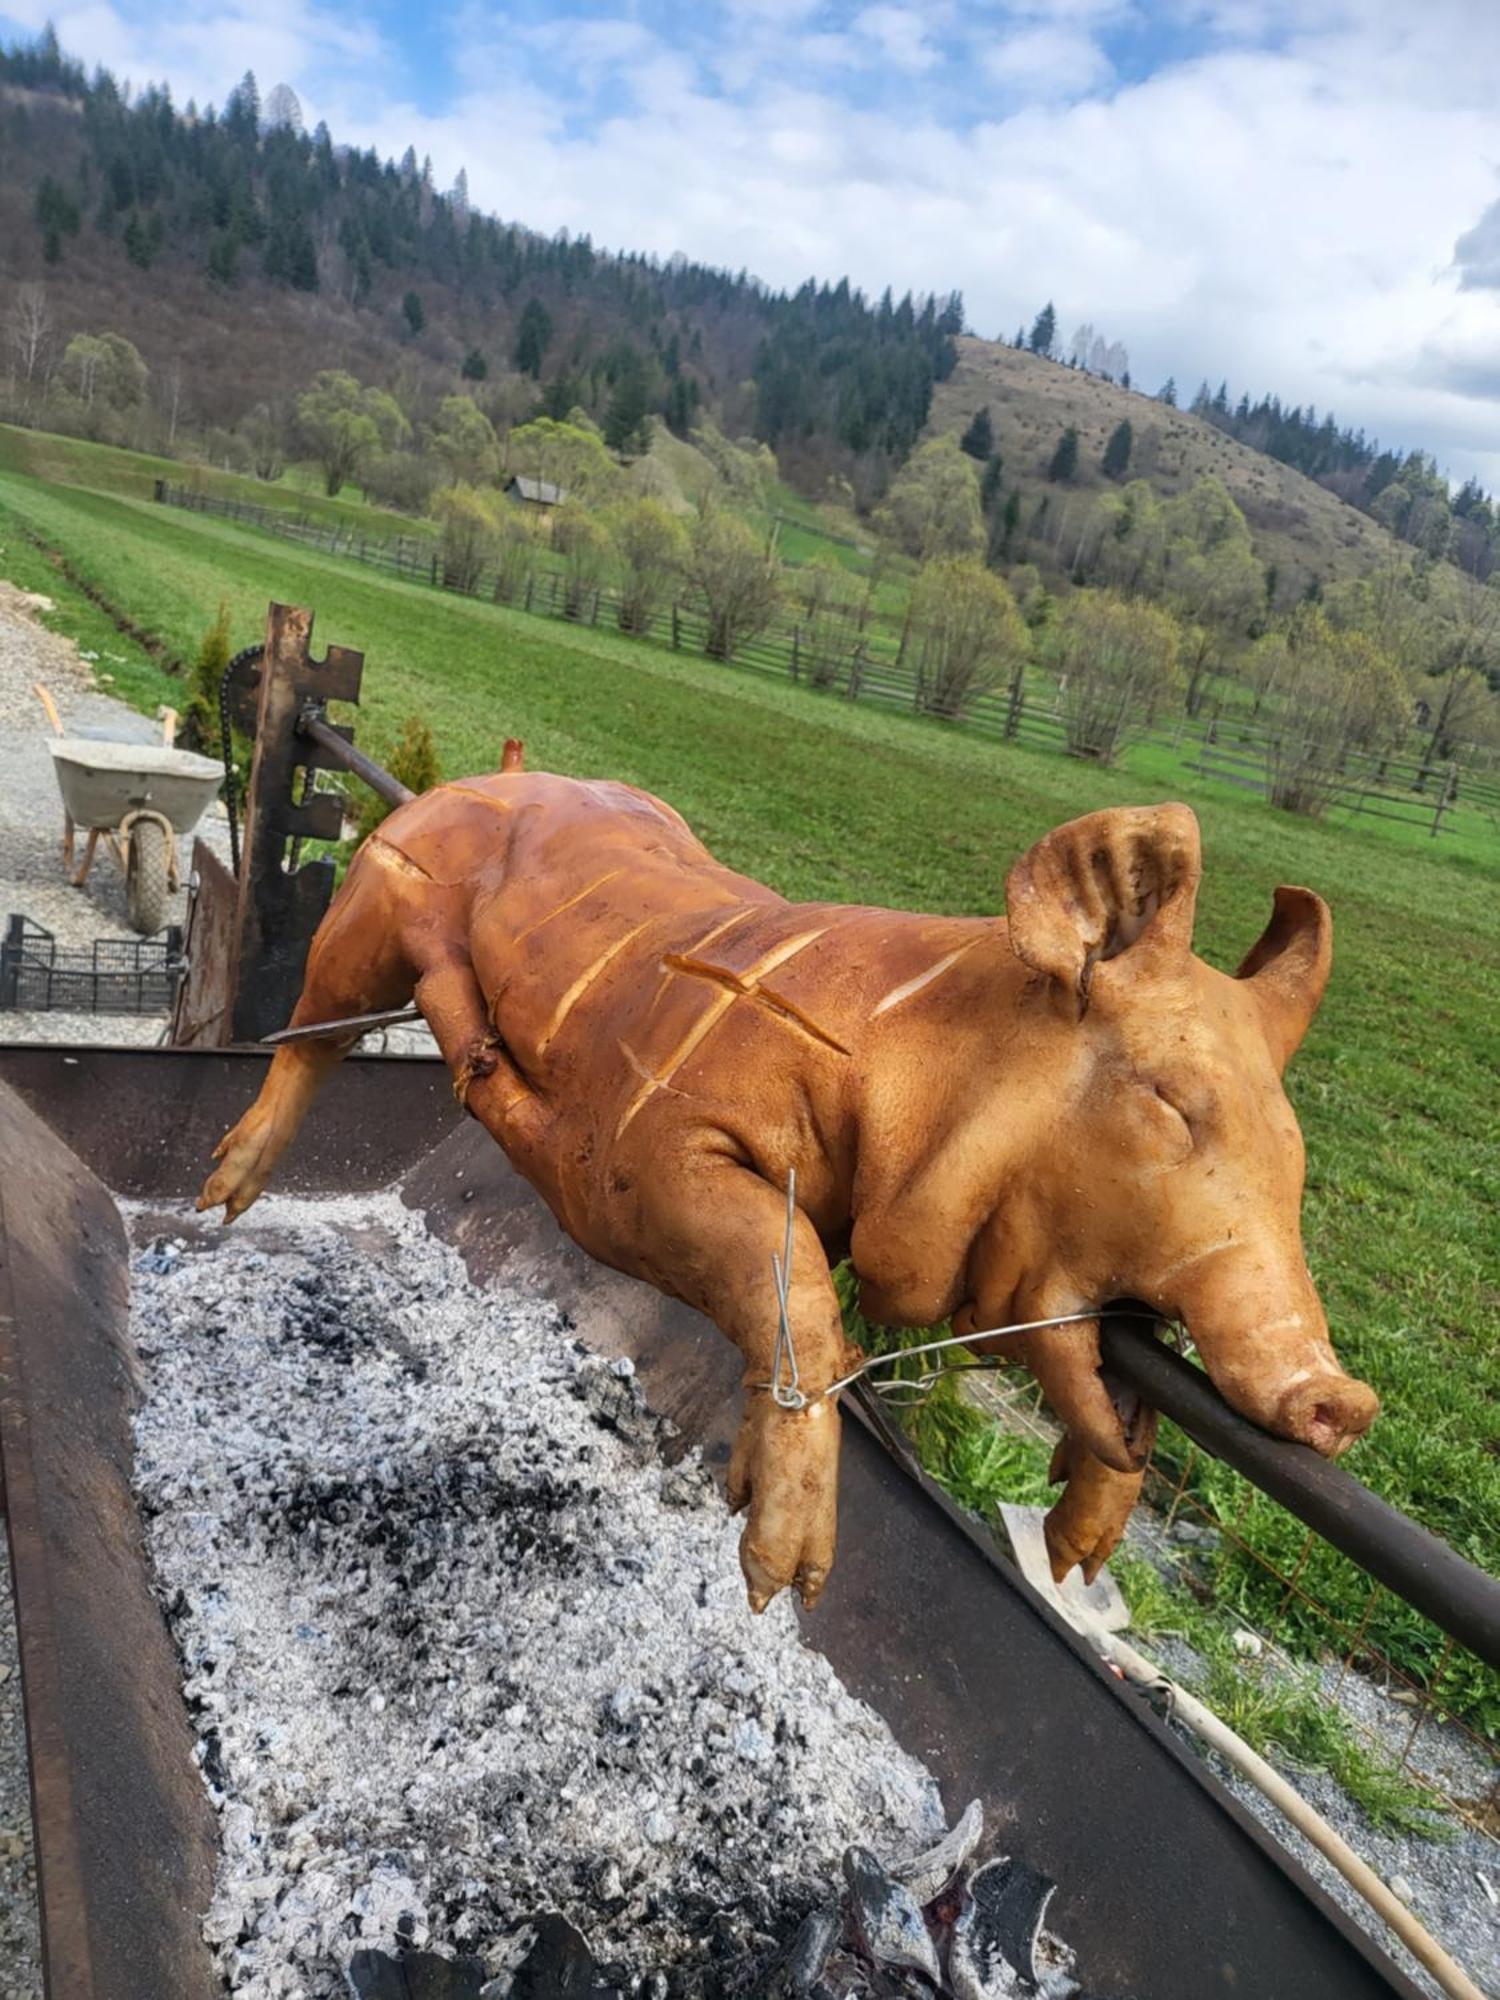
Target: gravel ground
(31, 872)
(32, 882)
(1450, 1884)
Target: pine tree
(979, 439)
(58, 214)
(207, 671)
(414, 312)
(679, 410)
(1116, 460)
(1167, 393)
(301, 258)
(624, 420)
(1044, 330)
(989, 483)
(224, 257)
(242, 112)
(137, 248)
(1064, 467)
(533, 339)
(1010, 520)
(475, 366)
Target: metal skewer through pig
(998, 1120)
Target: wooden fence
(1232, 748)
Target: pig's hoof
(785, 1471)
(245, 1158)
(1084, 1531)
(1067, 1551)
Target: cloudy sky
(1301, 195)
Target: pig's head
(1164, 1162)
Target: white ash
(459, 1646)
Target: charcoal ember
(800, 1974)
(887, 1917)
(558, 1964)
(415, 1975)
(609, 1390)
(995, 1935)
(928, 1874)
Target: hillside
(240, 255)
(1300, 528)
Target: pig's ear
(1287, 968)
(1117, 881)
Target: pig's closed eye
(1176, 1110)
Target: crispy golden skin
(998, 1121)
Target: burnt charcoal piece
(995, 1935)
(928, 1874)
(416, 1975)
(800, 1974)
(888, 1919)
(559, 1965)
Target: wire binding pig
(998, 1120)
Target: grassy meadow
(1395, 1086)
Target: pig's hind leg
(358, 964)
(716, 1225)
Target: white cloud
(1047, 61)
(900, 37)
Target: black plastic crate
(110, 976)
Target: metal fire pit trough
(1169, 1890)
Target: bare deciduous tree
(29, 325)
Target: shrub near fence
(1229, 749)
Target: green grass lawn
(822, 797)
(103, 468)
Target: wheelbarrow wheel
(147, 870)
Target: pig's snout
(1328, 1412)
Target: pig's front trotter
(247, 1154)
(785, 1471)
(1086, 1524)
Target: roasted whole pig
(998, 1120)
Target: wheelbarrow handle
(44, 697)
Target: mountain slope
(1299, 527)
(240, 258)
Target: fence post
(1447, 797)
(796, 652)
(434, 569)
(905, 635)
(1013, 708)
(676, 628)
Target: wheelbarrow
(140, 796)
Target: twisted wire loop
(786, 1394)
(785, 1385)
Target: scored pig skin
(998, 1119)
